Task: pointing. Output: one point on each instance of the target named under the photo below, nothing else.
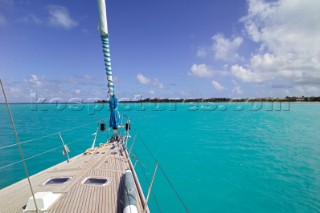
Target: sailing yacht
(102, 179)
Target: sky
(160, 49)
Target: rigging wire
(33, 156)
(148, 182)
(51, 134)
(164, 174)
(19, 146)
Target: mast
(113, 102)
(103, 29)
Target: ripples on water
(232, 158)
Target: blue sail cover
(114, 114)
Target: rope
(46, 136)
(37, 155)
(165, 175)
(51, 134)
(18, 143)
(107, 60)
(148, 182)
(8, 165)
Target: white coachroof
(43, 199)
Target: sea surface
(220, 157)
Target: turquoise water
(230, 157)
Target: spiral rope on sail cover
(107, 61)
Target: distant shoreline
(193, 100)
(200, 100)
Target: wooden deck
(108, 161)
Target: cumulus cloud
(222, 48)
(16, 92)
(152, 92)
(158, 84)
(147, 81)
(34, 81)
(202, 52)
(236, 89)
(287, 34)
(3, 20)
(143, 79)
(137, 97)
(201, 70)
(59, 16)
(308, 89)
(226, 49)
(245, 74)
(285, 42)
(216, 85)
(34, 87)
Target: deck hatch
(58, 180)
(94, 181)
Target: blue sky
(175, 49)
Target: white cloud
(307, 89)
(32, 95)
(202, 52)
(226, 49)
(158, 84)
(15, 92)
(216, 85)
(34, 81)
(287, 33)
(34, 86)
(152, 92)
(115, 79)
(60, 17)
(237, 90)
(32, 19)
(147, 81)
(245, 74)
(137, 97)
(201, 70)
(142, 79)
(88, 77)
(3, 20)
(235, 82)
(222, 48)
